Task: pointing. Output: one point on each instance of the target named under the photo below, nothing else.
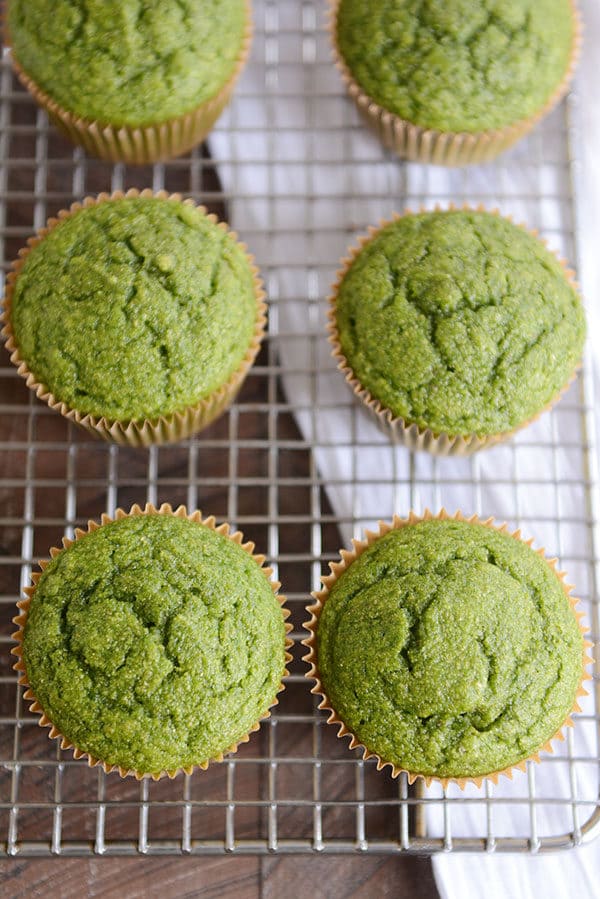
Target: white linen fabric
(304, 177)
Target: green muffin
(124, 62)
(458, 322)
(449, 649)
(134, 309)
(154, 643)
(461, 65)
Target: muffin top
(457, 65)
(459, 321)
(124, 62)
(134, 308)
(450, 649)
(154, 643)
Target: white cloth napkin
(304, 177)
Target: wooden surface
(331, 877)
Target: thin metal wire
(260, 471)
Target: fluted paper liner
(143, 432)
(24, 604)
(141, 144)
(347, 557)
(406, 433)
(449, 148)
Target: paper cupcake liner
(347, 557)
(449, 148)
(406, 433)
(144, 432)
(24, 604)
(145, 143)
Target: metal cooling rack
(294, 787)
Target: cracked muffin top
(128, 62)
(457, 65)
(450, 649)
(460, 322)
(134, 308)
(154, 643)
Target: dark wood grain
(368, 877)
(220, 878)
(213, 878)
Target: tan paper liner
(420, 144)
(144, 432)
(410, 434)
(320, 596)
(145, 143)
(24, 604)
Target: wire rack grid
(294, 169)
